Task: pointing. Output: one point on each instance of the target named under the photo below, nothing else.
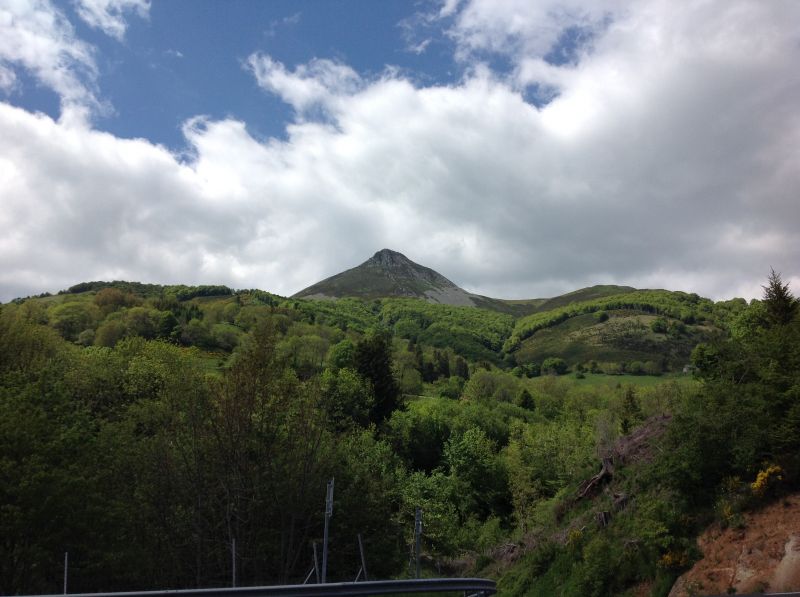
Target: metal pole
(310, 572)
(363, 559)
(66, 568)
(417, 535)
(233, 563)
(316, 561)
(328, 514)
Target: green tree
(342, 354)
(525, 400)
(143, 322)
(410, 381)
(196, 333)
(373, 359)
(113, 299)
(109, 333)
(631, 410)
(434, 494)
(481, 386)
(273, 457)
(478, 475)
(554, 366)
(659, 325)
(781, 305)
(168, 326)
(450, 387)
(346, 398)
(461, 368)
(70, 319)
(442, 363)
(366, 502)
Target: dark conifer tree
(442, 363)
(461, 368)
(374, 363)
(780, 304)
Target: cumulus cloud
(36, 36)
(7, 79)
(316, 84)
(521, 28)
(667, 158)
(109, 15)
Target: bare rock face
(762, 556)
(390, 260)
(390, 274)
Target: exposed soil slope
(764, 556)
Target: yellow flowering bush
(674, 560)
(574, 536)
(765, 479)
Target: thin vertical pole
(417, 536)
(316, 561)
(66, 568)
(328, 514)
(363, 559)
(233, 563)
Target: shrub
(659, 326)
(554, 366)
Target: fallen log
(593, 483)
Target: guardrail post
(66, 568)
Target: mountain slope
(390, 274)
(589, 293)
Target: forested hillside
(144, 428)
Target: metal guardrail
(469, 586)
(763, 595)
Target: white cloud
(38, 37)
(109, 15)
(420, 47)
(278, 24)
(315, 84)
(668, 159)
(524, 27)
(7, 79)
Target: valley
(565, 446)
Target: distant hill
(659, 327)
(391, 274)
(618, 328)
(584, 294)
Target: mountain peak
(389, 258)
(390, 274)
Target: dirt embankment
(764, 556)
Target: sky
(522, 148)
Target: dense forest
(145, 428)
